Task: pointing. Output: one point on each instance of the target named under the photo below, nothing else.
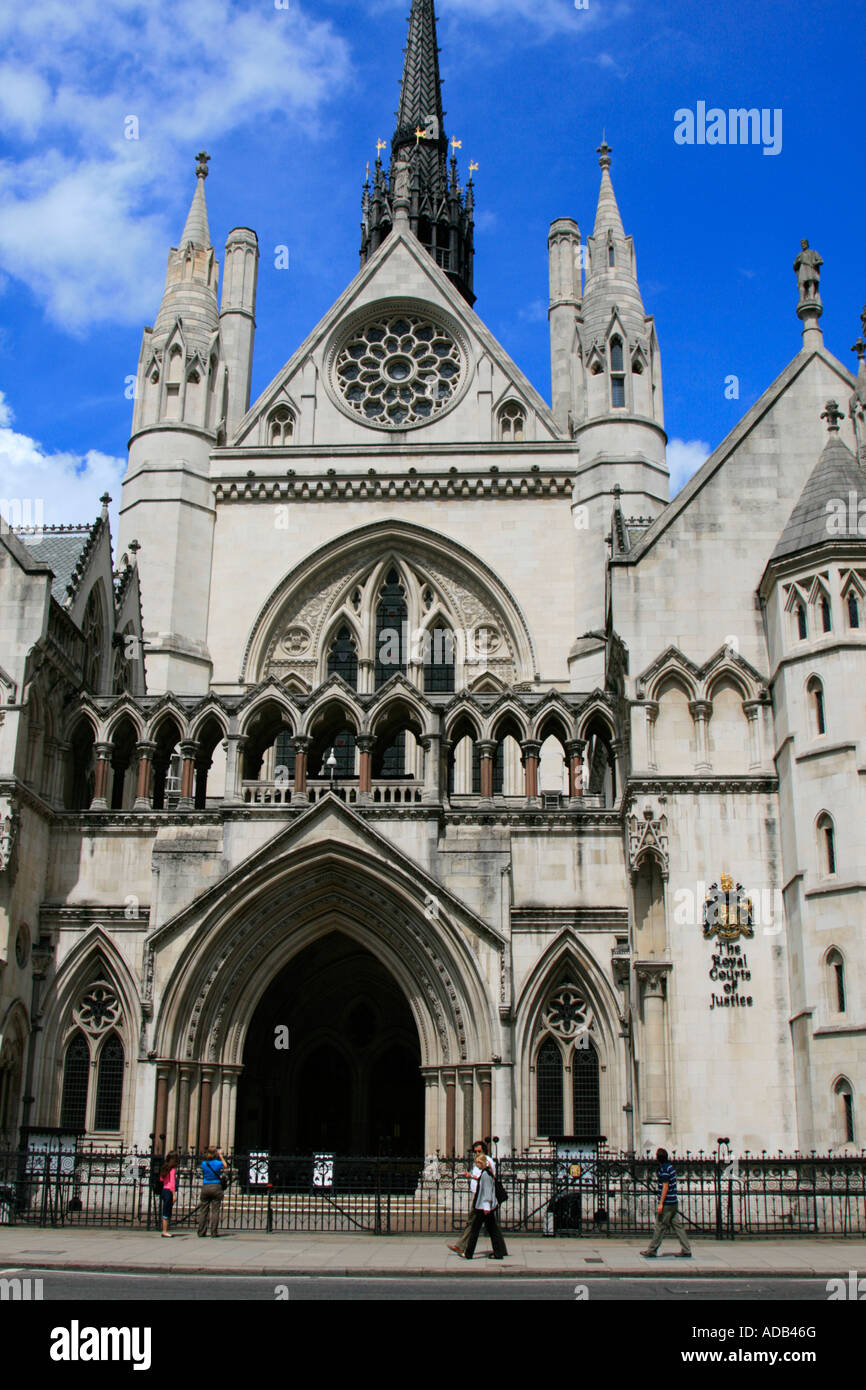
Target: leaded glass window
(585, 1090)
(343, 658)
(109, 1085)
(392, 617)
(76, 1075)
(548, 1070)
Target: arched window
(439, 661)
(846, 1098)
(392, 620)
(611, 255)
(93, 631)
(343, 658)
(836, 966)
(281, 426)
(816, 697)
(109, 1085)
(512, 423)
(548, 1071)
(76, 1076)
(617, 374)
(826, 620)
(827, 845)
(853, 610)
(800, 618)
(585, 1089)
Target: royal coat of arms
(728, 912)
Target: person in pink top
(168, 1174)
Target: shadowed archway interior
(349, 1081)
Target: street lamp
(331, 765)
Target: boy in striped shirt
(668, 1219)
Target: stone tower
(192, 387)
(607, 392)
(439, 211)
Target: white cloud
(684, 459)
(51, 489)
(88, 214)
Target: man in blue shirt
(668, 1219)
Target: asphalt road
(83, 1286)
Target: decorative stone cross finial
(201, 168)
(604, 152)
(832, 414)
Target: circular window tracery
(98, 1008)
(567, 1013)
(399, 369)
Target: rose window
(99, 1008)
(567, 1012)
(399, 370)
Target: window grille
(109, 1085)
(585, 1090)
(549, 1077)
(76, 1074)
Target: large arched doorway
(349, 1081)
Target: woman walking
(485, 1211)
(212, 1175)
(168, 1178)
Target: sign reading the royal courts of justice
(728, 915)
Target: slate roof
(835, 477)
(61, 547)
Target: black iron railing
(613, 1195)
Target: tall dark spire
(439, 213)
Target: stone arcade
(413, 705)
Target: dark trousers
(491, 1221)
(209, 1208)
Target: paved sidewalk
(293, 1254)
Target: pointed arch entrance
(349, 1081)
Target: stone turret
(181, 401)
(616, 414)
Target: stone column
(366, 675)
(161, 1117)
(654, 1099)
(651, 709)
(467, 1083)
(143, 792)
(103, 752)
(233, 794)
(574, 751)
(228, 1109)
(700, 711)
(432, 1137)
(752, 710)
(531, 752)
(301, 745)
(487, 749)
(450, 1079)
(207, 1075)
(62, 752)
(432, 793)
(618, 749)
(485, 1082)
(364, 744)
(184, 1083)
(188, 752)
(445, 747)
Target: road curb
(457, 1271)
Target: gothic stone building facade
(379, 794)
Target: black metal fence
(611, 1195)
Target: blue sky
(290, 101)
